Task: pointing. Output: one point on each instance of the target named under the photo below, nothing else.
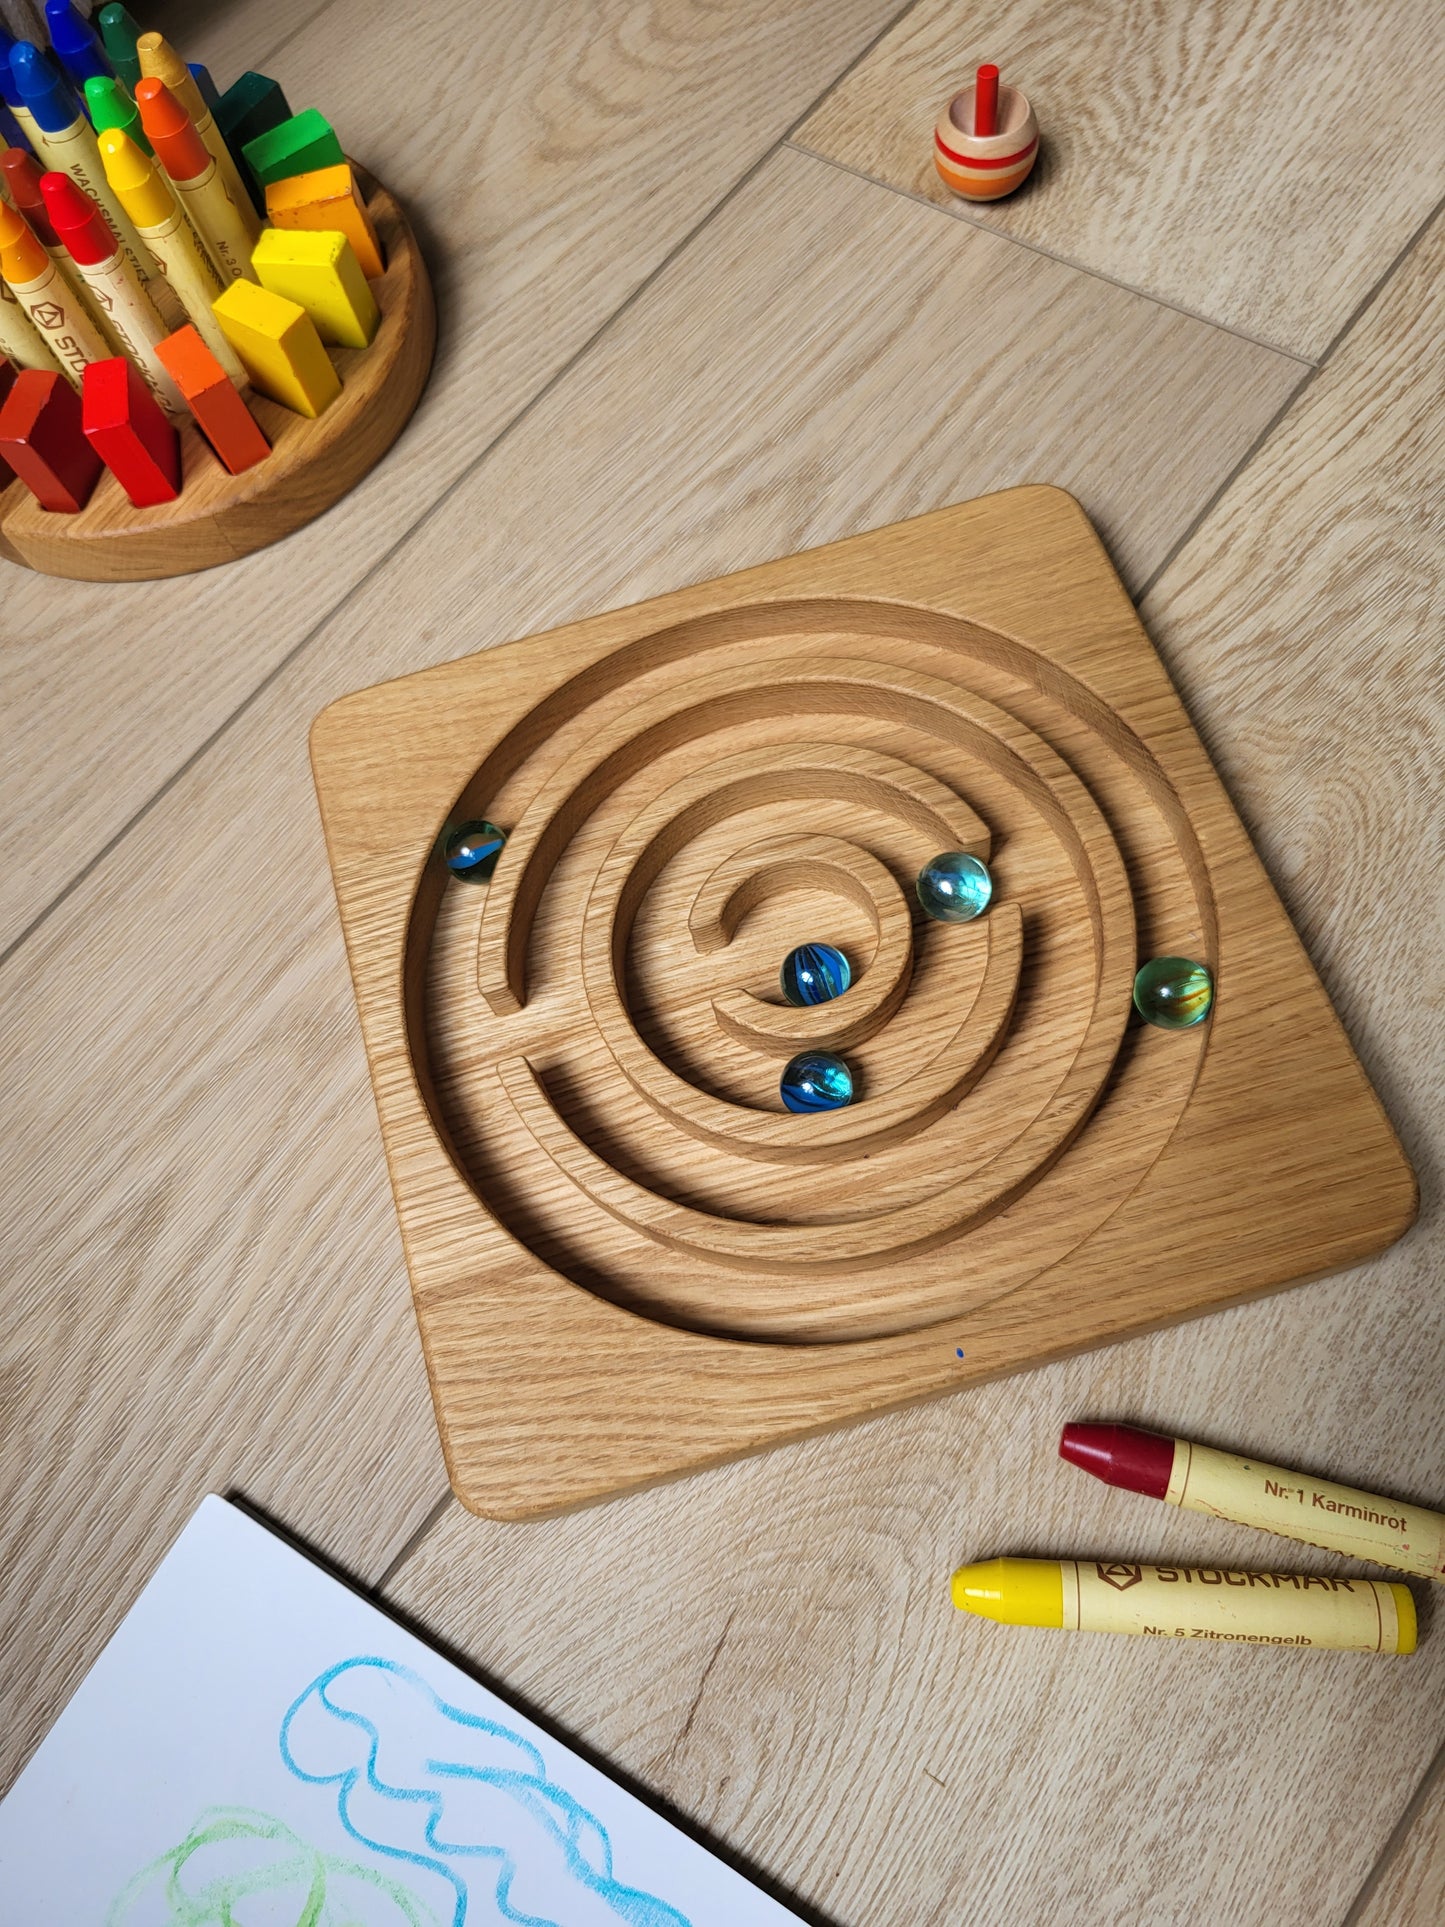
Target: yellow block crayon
(1186, 1602)
(278, 347)
(322, 273)
(328, 198)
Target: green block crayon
(109, 105)
(250, 106)
(118, 35)
(298, 146)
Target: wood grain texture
(219, 517)
(199, 1194)
(1409, 1889)
(599, 1191)
(1227, 157)
(770, 1645)
(579, 162)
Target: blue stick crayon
(77, 44)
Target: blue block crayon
(76, 43)
(202, 77)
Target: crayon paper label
(1245, 1608)
(1320, 1513)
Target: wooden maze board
(627, 1258)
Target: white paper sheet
(258, 1746)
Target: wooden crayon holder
(627, 1259)
(219, 517)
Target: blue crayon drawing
(463, 1797)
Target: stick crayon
(9, 88)
(109, 105)
(1337, 1517)
(48, 299)
(11, 133)
(168, 234)
(65, 141)
(20, 339)
(204, 195)
(1189, 1602)
(118, 35)
(160, 61)
(130, 313)
(76, 43)
(22, 174)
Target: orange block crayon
(128, 430)
(329, 199)
(215, 401)
(42, 440)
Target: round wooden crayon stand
(220, 517)
(627, 1257)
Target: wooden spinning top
(986, 140)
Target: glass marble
(815, 973)
(954, 887)
(472, 851)
(816, 1080)
(1173, 992)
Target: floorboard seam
(1346, 328)
(414, 1539)
(1398, 1834)
(509, 427)
(1061, 260)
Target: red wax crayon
(129, 432)
(214, 400)
(985, 102)
(42, 439)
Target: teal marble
(472, 851)
(815, 973)
(954, 887)
(1173, 992)
(816, 1080)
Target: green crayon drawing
(236, 1866)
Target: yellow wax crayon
(1182, 1602)
(169, 236)
(279, 347)
(322, 273)
(160, 61)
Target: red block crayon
(127, 429)
(7, 382)
(214, 399)
(42, 439)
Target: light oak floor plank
(770, 1646)
(1235, 157)
(1409, 1889)
(206, 1285)
(551, 155)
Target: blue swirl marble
(462, 1797)
(815, 973)
(954, 887)
(472, 851)
(816, 1080)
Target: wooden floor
(703, 304)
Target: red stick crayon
(985, 102)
